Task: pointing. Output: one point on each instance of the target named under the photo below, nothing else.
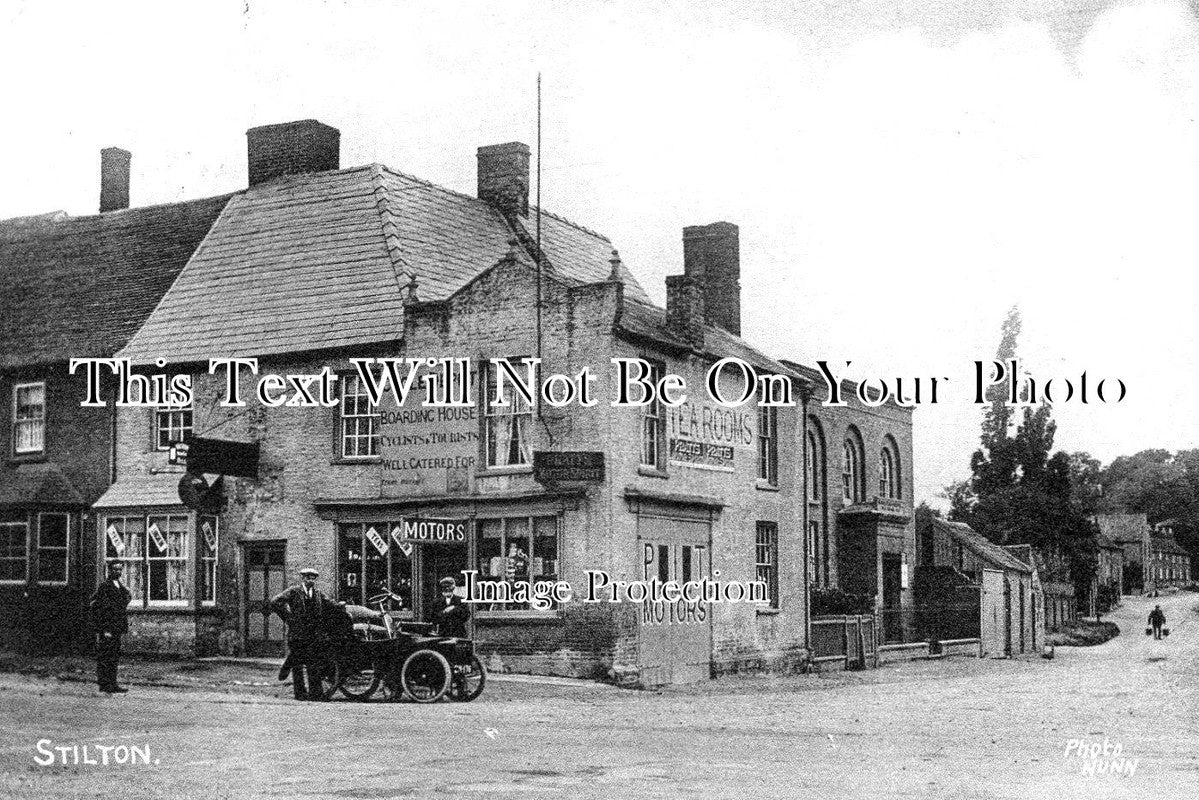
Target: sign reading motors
(430, 530)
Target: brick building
(70, 287)
(858, 476)
(1169, 563)
(313, 265)
(1131, 533)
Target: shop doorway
(675, 638)
(892, 587)
(264, 577)
(434, 562)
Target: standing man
(1157, 618)
(449, 612)
(304, 608)
(110, 616)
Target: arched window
(852, 487)
(888, 470)
(814, 467)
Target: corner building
(312, 266)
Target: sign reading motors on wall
(446, 531)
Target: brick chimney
(114, 179)
(291, 148)
(504, 177)
(685, 309)
(712, 256)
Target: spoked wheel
(425, 676)
(329, 671)
(360, 684)
(468, 680)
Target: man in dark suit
(304, 608)
(449, 612)
(110, 616)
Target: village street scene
(955, 728)
(787, 407)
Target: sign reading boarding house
(426, 450)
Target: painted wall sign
(705, 436)
(575, 466)
(426, 450)
(430, 530)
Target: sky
(902, 172)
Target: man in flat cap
(449, 612)
(304, 608)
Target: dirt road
(960, 728)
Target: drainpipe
(804, 490)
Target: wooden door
(264, 578)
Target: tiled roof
(1122, 528)
(645, 320)
(318, 261)
(981, 545)
(142, 489)
(80, 286)
(38, 483)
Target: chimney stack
(291, 148)
(685, 309)
(504, 177)
(114, 179)
(712, 256)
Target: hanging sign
(157, 537)
(209, 534)
(114, 538)
(378, 541)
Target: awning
(159, 489)
(38, 484)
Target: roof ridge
(391, 231)
(424, 181)
(573, 224)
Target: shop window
(155, 551)
(29, 418)
(512, 549)
(53, 547)
(506, 429)
(171, 425)
(768, 444)
(209, 542)
(653, 424)
(371, 561)
(14, 548)
(359, 420)
(766, 562)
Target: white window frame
(771, 565)
(38, 421)
(512, 415)
(142, 563)
(768, 445)
(352, 389)
(24, 559)
(653, 424)
(65, 549)
(176, 423)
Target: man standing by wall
(304, 608)
(110, 616)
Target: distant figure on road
(1156, 620)
(110, 615)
